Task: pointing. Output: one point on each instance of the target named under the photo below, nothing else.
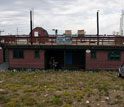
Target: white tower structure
(122, 24)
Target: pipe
(31, 25)
(98, 27)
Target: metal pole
(98, 27)
(31, 25)
(56, 31)
(17, 31)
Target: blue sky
(61, 15)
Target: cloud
(60, 14)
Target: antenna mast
(17, 31)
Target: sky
(60, 14)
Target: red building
(1, 55)
(87, 52)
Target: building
(122, 23)
(69, 51)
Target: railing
(102, 41)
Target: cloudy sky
(61, 15)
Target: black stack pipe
(97, 27)
(31, 25)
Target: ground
(61, 89)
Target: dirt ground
(61, 89)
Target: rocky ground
(61, 89)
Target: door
(68, 58)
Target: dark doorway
(66, 59)
(75, 59)
(58, 56)
(5, 55)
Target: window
(114, 56)
(37, 54)
(36, 34)
(93, 55)
(18, 54)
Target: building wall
(42, 36)
(41, 33)
(28, 62)
(1, 55)
(101, 62)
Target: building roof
(45, 31)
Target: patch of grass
(13, 88)
(67, 105)
(103, 87)
(13, 103)
(30, 102)
(88, 92)
(56, 100)
(68, 100)
(30, 89)
(78, 95)
(4, 99)
(42, 88)
(41, 105)
(58, 88)
(25, 96)
(50, 89)
(74, 88)
(117, 102)
(119, 97)
(65, 93)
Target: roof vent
(68, 32)
(81, 32)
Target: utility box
(68, 33)
(81, 32)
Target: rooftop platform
(52, 41)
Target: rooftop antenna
(17, 31)
(1, 31)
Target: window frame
(35, 56)
(36, 34)
(18, 54)
(114, 56)
(93, 55)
